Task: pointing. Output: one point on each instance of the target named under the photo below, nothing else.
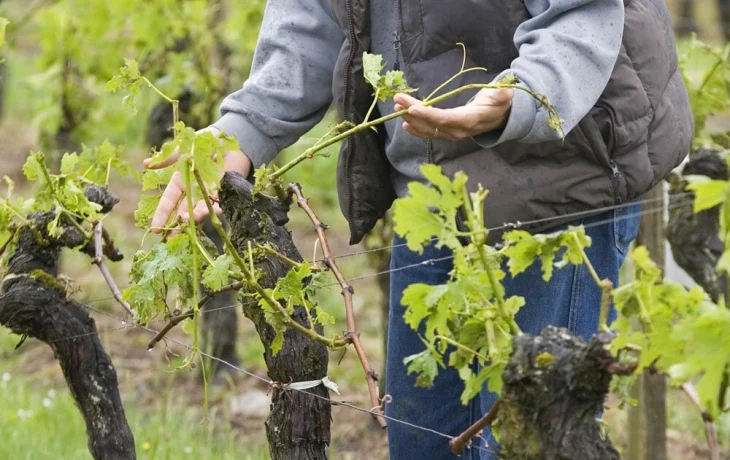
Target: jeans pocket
(626, 220)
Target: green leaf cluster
(684, 334)
(63, 193)
(468, 319)
(429, 213)
(198, 151)
(523, 249)
(706, 72)
(128, 80)
(167, 265)
(294, 289)
(385, 85)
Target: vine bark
(34, 303)
(298, 427)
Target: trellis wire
(441, 259)
(272, 383)
(132, 325)
(519, 224)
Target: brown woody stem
(710, 429)
(459, 443)
(347, 292)
(98, 260)
(606, 296)
(175, 320)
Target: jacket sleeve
(567, 51)
(290, 86)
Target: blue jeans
(571, 299)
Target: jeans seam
(472, 408)
(471, 422)
(575, 300)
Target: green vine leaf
(97, 163)
(32, 168)
(684, 332)
(430, 212)
(277, 323)
(524, 248)
(155, 272)
(426, 365)
(217, 275)
(420, 300)
(129, 80)
(68, 163)
(188, 326)
(708, 193)
(388, 85)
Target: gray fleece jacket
(567, 51)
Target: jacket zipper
(617, 179)
(396, 47)
(347, 101)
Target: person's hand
(172, 198)
(488, 111)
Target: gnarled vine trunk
(298, 427)
(34, 303)
(554, 387)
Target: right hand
(172, 198)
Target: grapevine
(198, 168)
(469, 319)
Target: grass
(40, 421)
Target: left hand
(488, 111)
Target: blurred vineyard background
(58, 57)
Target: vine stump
(554, 388)
(298, 427)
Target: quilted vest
(638, 131)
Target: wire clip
(306, 385)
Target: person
(609, 67)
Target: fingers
(200, 211)
(405, 101)
(424, 121)
(168, 202)
(488, 111)
(452, 124)
(417, 125)
(164, 163)
(172, 201)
